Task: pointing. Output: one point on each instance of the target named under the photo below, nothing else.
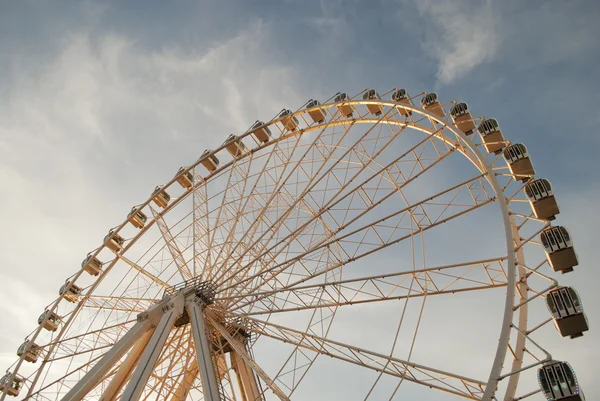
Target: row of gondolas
(556, 379)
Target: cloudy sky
(102, 100)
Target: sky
(102, 100)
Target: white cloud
(460, 35)
(91, 131)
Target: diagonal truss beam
(448, 279)
(416, 373)
(143, 271)
(134, 305)
(240, 350)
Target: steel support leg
(142, 372)
(245, 377)
(100, 369)
(126, 368)
(210, 387)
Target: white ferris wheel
(370, 247)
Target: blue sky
(100, 101)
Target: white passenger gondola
(315, 112)
(375, 108)
(401, 96)
(566, 309)
(558, 382)
(235, 146)
(541, 197)
(346, 109)
(114, 241)
(262, 133)
(431, 103)
(462, 118)
(50, 324)
(72, 293)
(161, 197)
(185, 178)
(210, 162)
(11, 386)
(559, 249)
(137, 218)
(29, 351)
(92, 265)
(289, 121)
(519, 162)
(492, 136)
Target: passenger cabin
(50, 324)
(371, 94)
(401, 96)
(114, 241)
(462, 118)
(137, 218)
(345, 109)
(541, 197)
(11, 386)
(431, 103)
(210, 162)
(235, 146)
(558, 382)
(559, 249)
(566, 309)
(29, 351)
(161, 197)
(519, 162)
(92, 265)
(289, 121)
(492, 136)
(71, 294)
(261, 132)
(315, 112)
(185, 178)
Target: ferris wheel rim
(445, 125)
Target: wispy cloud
(460, 35)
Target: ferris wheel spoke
(201, 226)
(231, 205)
(449, 279)
(115, 303)
(382, 233)
(187, 380)
(319, 174)
(178, 258)
(406, 370)
(143, 271)
(266, 186)
(399, 181)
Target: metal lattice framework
(231, 286)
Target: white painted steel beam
(93, 377)
(210, 386)
(126, 368)
(171, 311)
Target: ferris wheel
(366, 247)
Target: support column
(245, 377)
(126, 368)
(210, 387)
(171, 311)
(93, 377)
